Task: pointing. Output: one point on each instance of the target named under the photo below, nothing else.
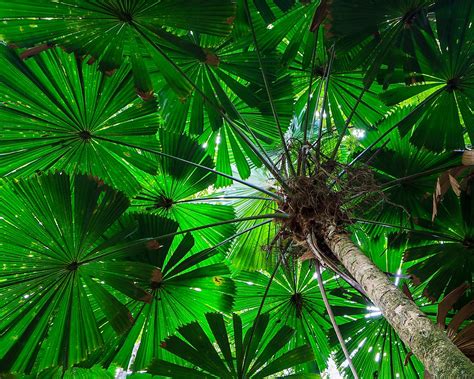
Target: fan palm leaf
(213, 355)
(176, 190)
(447, 61)
(230, 105)
(109, 29)
(60, 258)
(55, 110)
(185, 286)
(293, 300)
(440, 254)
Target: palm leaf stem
(267, 88)
(417, 175)
(267, 162)
(241, 219)
(346, 124)
(401, 227)
(265, 294)
(388, 131)
(326, 87)
(222, 198)
(340, 338)
(302, 162)
(152, 151)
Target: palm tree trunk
(429, 343)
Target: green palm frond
(293, 300)
(447, 61)
(440, 255)
(212, 355)
(176, 190)
(383, 34)
(62, 262)
(185, 286)
(55, 111)
(110, 29)
(230, 104)
(251, 250)
(406, 174)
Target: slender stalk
(265, 294)
(421, 232)
(417, 175)
(267, 89)
(204, 252)
(302, 162)
(196, 258)
(223, 198)
(310, 87)
(225, 222)
(333, 319)
(346, 124)
(266, 161)
(326, 87)
(152, 151)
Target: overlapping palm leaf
(230, 105)
(55, 111)
(284, 26)
(405, 173)
(441, 255)
(342, 96)
(212, 355)
(251, 250)
(379, 33)
(176, 191)
(109, 29)
(185, 285)
(447, 61)
(62, 262)
(294, 300)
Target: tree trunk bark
(430, 344)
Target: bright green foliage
(230, 100)
(447, 63)
(108, 30)
(59, 259)
(293, 300)
(448, 239)
(247, 357)
(148, 156)
(407, 175)
(183, 288)
(56, 111)
(177, 191)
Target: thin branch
(311, 77)
(225, 222)
(222, 198)
(333, 319)
(302, 161)
(417, 175)
(263, 190)
(346, 124)
(267, 88)
(265, 294)
(326, 87)
(266, 161)
(428, 233)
